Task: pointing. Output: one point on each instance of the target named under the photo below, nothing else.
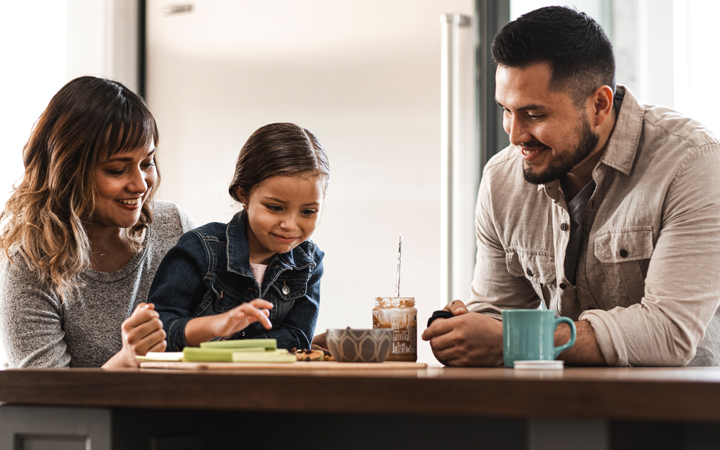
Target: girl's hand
(240, 317)
(142, 332)
(319, 342)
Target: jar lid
(395, 302)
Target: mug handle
(573, 333)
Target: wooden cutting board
(318, 365)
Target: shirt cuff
(608, 335)
(485, 308)
(176, 335)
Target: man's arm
(682, 286)
(472, 339)
(586, 351)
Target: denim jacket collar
(238, 252)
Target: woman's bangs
(130, 133)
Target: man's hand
(468, 339)
(456, 307)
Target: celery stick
(207, 354)
(269, 344)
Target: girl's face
(283, 212)
(121, 184)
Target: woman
(81, 235)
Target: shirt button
(564, 227)
(623, 253)
(285, 290)
(243, 333)
(529, 272)
(562, 286)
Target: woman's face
(122, 183)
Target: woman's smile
(131, 203)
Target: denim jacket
(208, 272)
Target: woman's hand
(142, 332)
(203, 329)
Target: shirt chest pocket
(537, 267)
(625, 255)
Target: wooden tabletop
(657, 394)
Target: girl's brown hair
(278, 149)
(89, 120)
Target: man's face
(552, 134)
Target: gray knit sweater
(38, 330)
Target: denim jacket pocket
(624, 254)
(218, 300)
(291, 287)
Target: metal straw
(397, 282)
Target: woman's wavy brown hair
(89, 120)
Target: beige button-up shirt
(648, 274)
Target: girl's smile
(283, 212)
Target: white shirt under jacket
(648, 274)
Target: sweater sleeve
(31, 329)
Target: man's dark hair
(572, 43)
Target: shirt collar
(625, 138)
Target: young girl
(259, 275)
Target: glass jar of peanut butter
(400, 314)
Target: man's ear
(602, 104)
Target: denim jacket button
(285, 290)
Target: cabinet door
(45, 428)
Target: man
(601, 209)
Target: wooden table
(592, 408)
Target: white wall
(44, 44)
(32, 48)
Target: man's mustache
(532, 144)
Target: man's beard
(562, 164)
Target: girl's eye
(309, 212)
(273, 208)
(116, 172)
(151, 163)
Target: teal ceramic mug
(529, 334)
